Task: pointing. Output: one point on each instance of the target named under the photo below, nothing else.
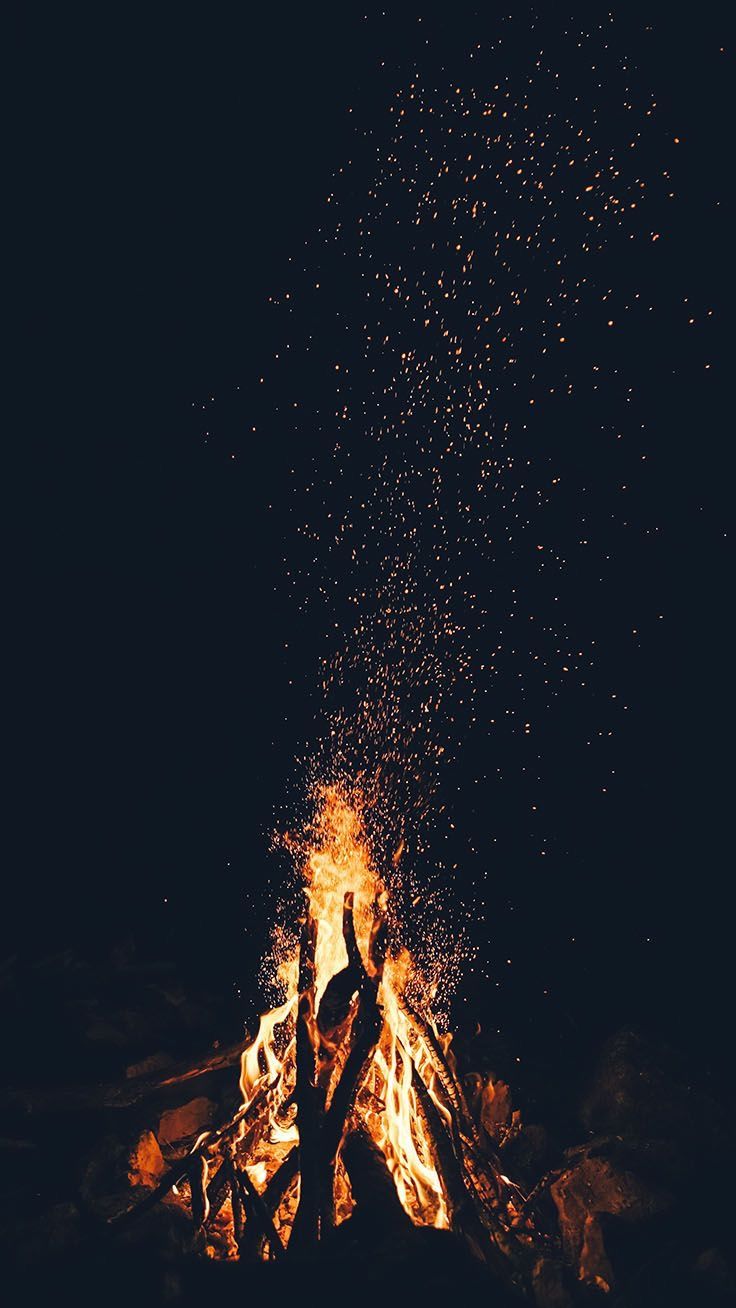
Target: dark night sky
(167, 169)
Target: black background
(166, 168)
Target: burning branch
(230, 1185)
(185, 1168)
(462, 1120)
(198, 1188)
(309, 1099)
(257, 1210)
(365, 1031)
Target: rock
(489, 1100)
(547, 1285)
(713, 1277)
(495, 1108)
(595, 1186)
(105, 1171)
(189, 1119)
(56, 1231)
(146, 1164)
(115, 1164)
(526, 1155)
(639, 1088)
(595, 1267)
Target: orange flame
(336, 861)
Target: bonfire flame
(346, 1056)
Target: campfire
(360, 1136)
(352, 1104)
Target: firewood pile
(348, 1147)
(109, 1172)
(295, 1211)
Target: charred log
(198, 1188)
(336, 1003)
(377, 1203)
(218, 1190)
(257, 1211)
(305, 1232)
(451, 1086)
(80, 1099)
(232, 1187)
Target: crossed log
(349, 1018)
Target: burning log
(480, 1165)
(461, 1116)
(378, 944)
(175, 1176)
(459, 1194)
(308, 1095)
(280, 1182)
(368, 1020)
(469, 1213)
(334, 1011)
(337, 1000)
(366, 1030)
(355, 960)
(257, 1210)
(338, 997)
(197, 1175)
(232, 1187)
(377, 1203)
(218, 1191)
(320, 1136)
